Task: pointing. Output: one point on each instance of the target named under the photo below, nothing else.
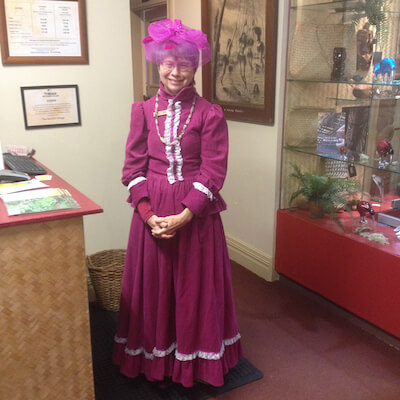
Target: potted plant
(324, 195)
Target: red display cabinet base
(357, 274)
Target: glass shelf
(370, 163)
(361, 102)
(313, 108)
(328, 4)
(395, 83)
(334, 6)
(341, 102)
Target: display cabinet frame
(336, 116)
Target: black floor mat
(111, 385)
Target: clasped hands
(166, 227)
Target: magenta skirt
(177, 317)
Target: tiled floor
(308, 348)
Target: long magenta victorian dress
(177, 315)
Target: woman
(177, 317)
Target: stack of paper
(13, 187)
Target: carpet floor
(306, 347)
(111, 385)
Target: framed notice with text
(50, 106)
(43, 32)
(241, 75)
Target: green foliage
(326, 192)
(376, 12)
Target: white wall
(90, 156)
(252, 184)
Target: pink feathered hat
(167, 38)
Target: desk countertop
(87, 206)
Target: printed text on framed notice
(43, 32)
(50, 106)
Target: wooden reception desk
(45, 347)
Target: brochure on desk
(41, 200)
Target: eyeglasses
(181, 66)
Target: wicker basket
(105, 269)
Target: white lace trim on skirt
(179, 356)
(154, 353)
(206, 355)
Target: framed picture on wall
(43, 32)
(50, 106)
(241, 75)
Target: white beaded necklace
(178, 139)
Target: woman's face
(175, 74)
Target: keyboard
(23, 164)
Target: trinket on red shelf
(364, 207)
(385, 152)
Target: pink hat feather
(167, 38)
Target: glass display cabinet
(341, 154)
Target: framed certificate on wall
(50, 106)
(43, 32)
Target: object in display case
(379, 182)
(397, 232)
(374, 11)
(356, 131)
(389, 217)
(364, 208)
(339, 57)
(385, 120)
(388, 92)
(397, 73)
(365, 44)
(376, 57)
(362, 91)
(368, 233)
(335, 168)
(324, 195)
(353, 198)
(385, 153)
(331, 134)
(396, 204)
(385, 69)
(343, 152)
(352, 170)
(357, 78)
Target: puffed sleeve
(136, 156)
(214, 160)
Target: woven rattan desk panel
(44, 325)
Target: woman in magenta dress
(177, 318)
